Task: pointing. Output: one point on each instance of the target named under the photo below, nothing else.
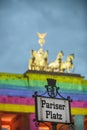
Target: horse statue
(39, 60)
(68, 64)
(55, 65)
(31, 65)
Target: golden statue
(39, 59)
(62, 66)
(41, 37)
(67, 66)
(56, 65)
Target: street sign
(52, 109)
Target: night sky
(65, 22)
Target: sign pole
(54, 126)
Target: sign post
(52, 109)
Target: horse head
(70, 57)
(60, 55)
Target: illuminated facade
(17, 106)
(16, 99)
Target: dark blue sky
(65, 22)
